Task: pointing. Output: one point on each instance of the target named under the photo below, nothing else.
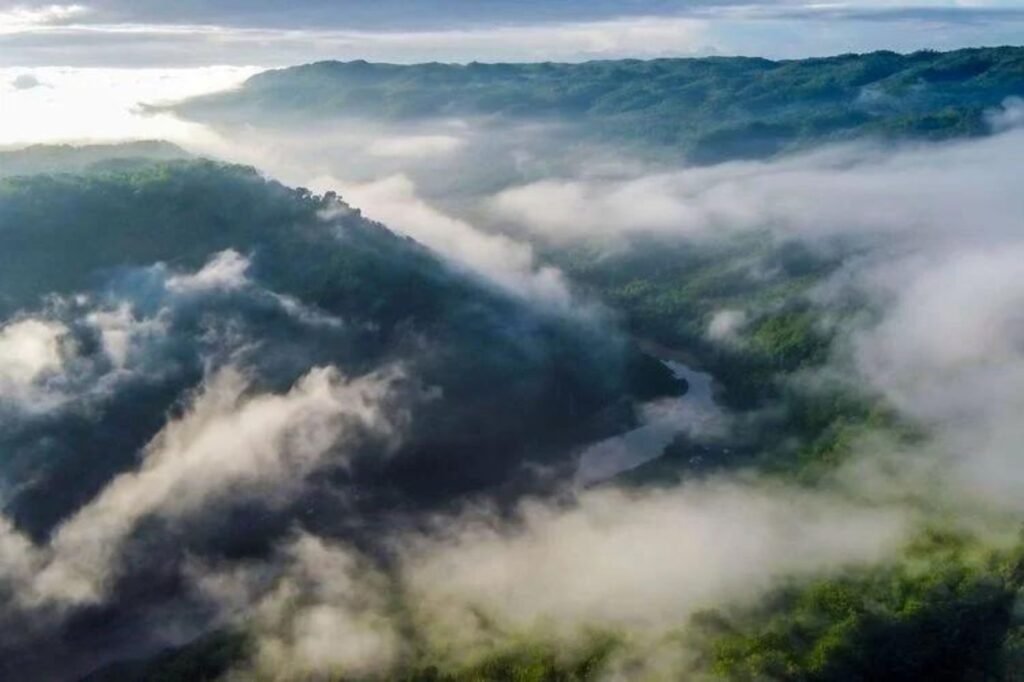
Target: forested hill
(710, 109)
(53, 158)
(179, 270)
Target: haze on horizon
(128, 33)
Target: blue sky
(163, 33)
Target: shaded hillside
(145, 283)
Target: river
(694, 413)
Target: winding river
(694, 413)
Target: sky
(266, 33)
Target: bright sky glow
(97, 105)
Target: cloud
(25, 81)
(237, 440)
(494, 257)
(943, 190)
(949, 353)
(230, 446)
(473, 582)
(415, 146)
(109, 33)
(50, 361)
(725, 324)
(434, 14)
(926, 219)
(122, 333)
(1007, 117)
(30, 351)
(326, 609)
(224, 272)
(205, 44)
(26, 18)
(936, 229)
(643, 561)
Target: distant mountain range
(706, 109)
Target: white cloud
(31, 353)
(938, 227)
(326, 610)
(70, 34)
(606, 559)
(943, 190)
(225, 271)
(204, 44)
(29, 348)
(1010, 115)
(415, 146)
(121, 332)
(644, 561)
(231, 445)
(25, 81)
(23, 18)
(949, 353)
(725, 324)
(510, 264)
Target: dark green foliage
(210, 657)
(535, 662)
(789, 340)
(668, 294)
(46, 158)
(709, 109)
(175, 212)
(944, 612)
(510, 385)
(204, 660)
(530, 383)
(647, 373)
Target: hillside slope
(148, 288)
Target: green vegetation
(63, 158)
(671, 291)
(947, 611)
(530, 662)
(114, 233)
(210, 658)
(707, 109)
(944, 610)
(669, 294)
